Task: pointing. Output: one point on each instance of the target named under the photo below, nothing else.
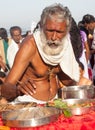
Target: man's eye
(50, 30)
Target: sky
(23, 12)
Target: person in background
(85, 42)
(85, 57)
(16, 35)
(76, 39)
(2, 78)
(4, 43)
(89, 23)
(2, 70)
(44, 58)
(83, 80)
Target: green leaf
(58, 103)
(67, 113)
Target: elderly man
(44, 60)
(15, 32)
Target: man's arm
(65, 80)
(21, 62)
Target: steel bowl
(30, 117)
(80, 106)
(79, 92)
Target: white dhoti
(28, 98)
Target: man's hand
(8, 91)
(27, 87)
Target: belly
(46, 89)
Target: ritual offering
(80, 106)
(72, 107)
(30, 116)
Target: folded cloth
(28, 98)
(65, 59)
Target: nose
(54, 36)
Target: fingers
(27, 87)
(22, 89)
(32, 83)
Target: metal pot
(79, 92)
(80, 106)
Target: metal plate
(16, 106)
(30, 117)
(80, 106)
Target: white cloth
(28, 98)
(11, 52)
(65, 59)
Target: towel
(65, 59)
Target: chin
(52, 51)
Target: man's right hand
(8, 91)
(27, 87)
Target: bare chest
(40, 69)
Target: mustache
(56, 43)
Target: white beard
(52, 47)
(65, 58)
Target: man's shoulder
(29, 41)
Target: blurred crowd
(9, 46)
